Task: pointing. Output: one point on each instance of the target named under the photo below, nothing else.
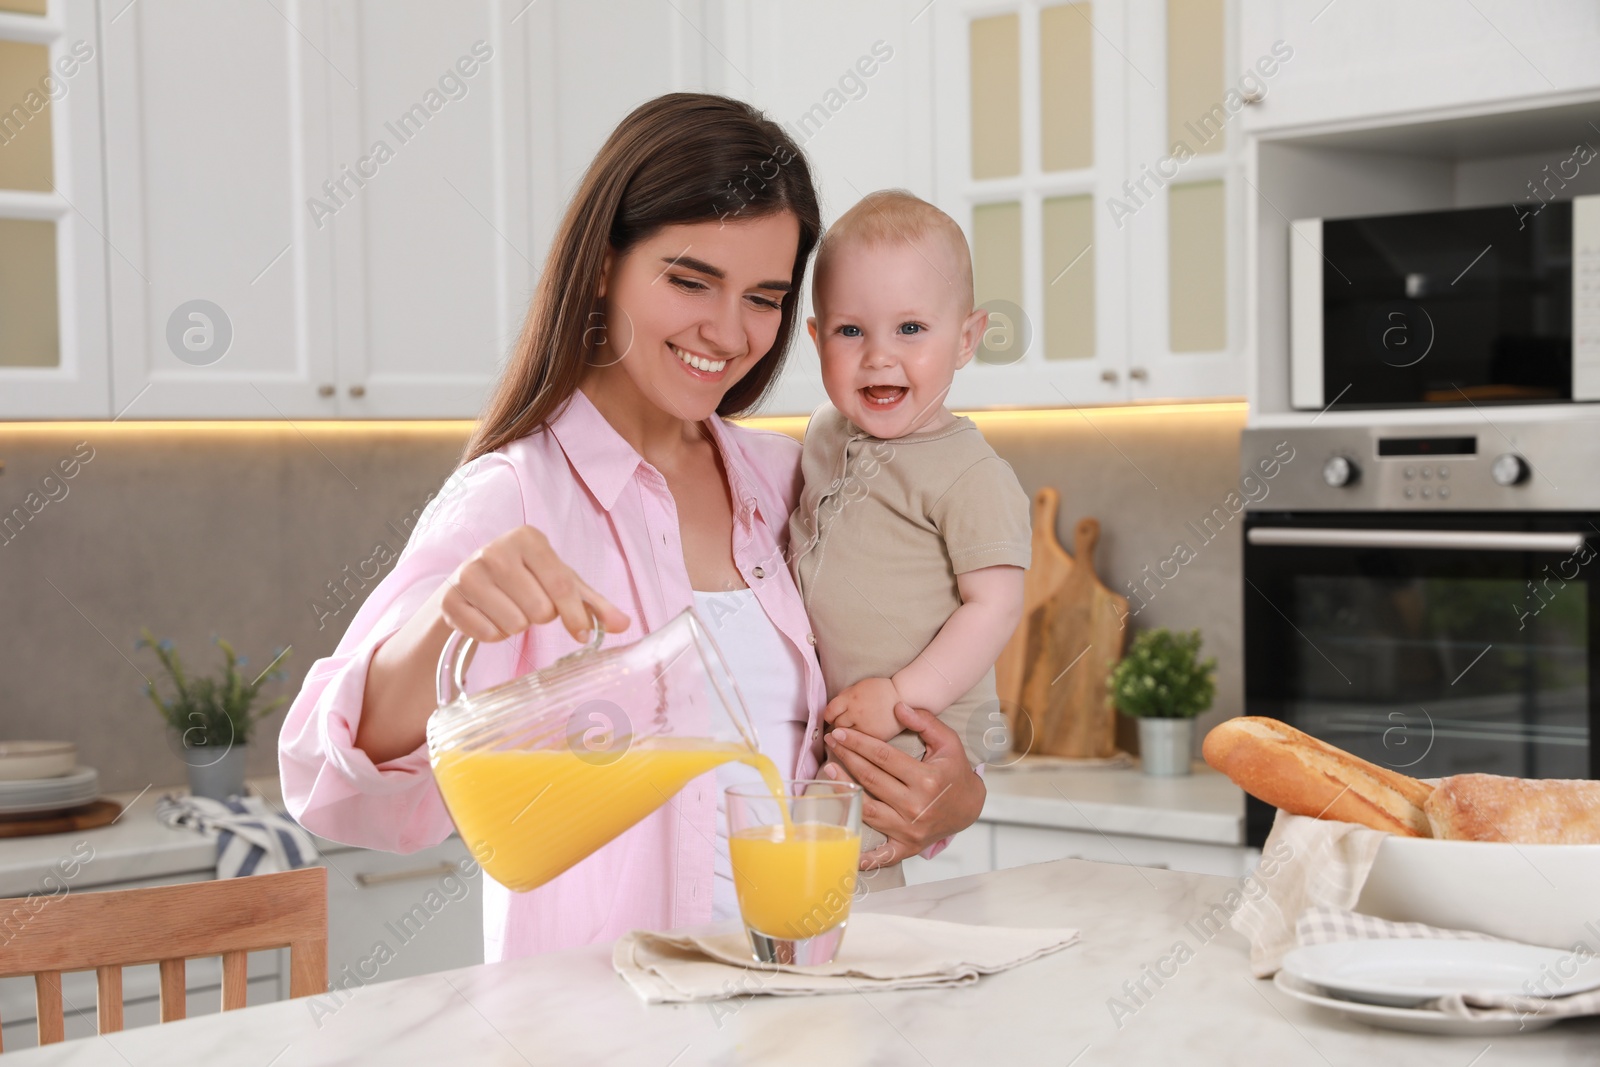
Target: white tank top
(771, 678)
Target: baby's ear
(811, 328)
(971, 335)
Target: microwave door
(1460, 307)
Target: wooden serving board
(1074, 639)
(92, 815)
(1047, 571)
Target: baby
(911, 535)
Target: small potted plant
(1163, 683)
(211, 718)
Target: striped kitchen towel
(251, 837)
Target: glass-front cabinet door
(52, 243)
(1110, 269)
(1182, 204)
(1029, 144)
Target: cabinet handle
(1109, 377)
(367, 881)
(358, 391)
(325, 390)
(1139, 374)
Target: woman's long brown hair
(680, 158)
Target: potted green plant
(211, 718)
(1164, 684)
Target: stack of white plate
(1395, 983)
(43, 777)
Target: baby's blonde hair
(895, 216)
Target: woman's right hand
(517, 581)
(514, 582)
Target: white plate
(36, 788)
(1415, 1019)
(52, 794)
(1403, 972)
(21, 760)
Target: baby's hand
(867, 706)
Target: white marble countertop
(569, 1007)
(135, 847)
(1203, 806)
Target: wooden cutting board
(1047, 571)
(88, 817)
(1074, 639)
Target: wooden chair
(169, 924)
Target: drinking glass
(795, 878)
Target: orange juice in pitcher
(541, 771)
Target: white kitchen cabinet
(993, 846)
(1054, 150)
(972, 852)
(393, 916)
(1058, 314)
(217, 134)
(1015, 846)
(431, 235)
(1355, 60)
(345, 184)
(1186, 229)
(53, 354)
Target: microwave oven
(1471, 306)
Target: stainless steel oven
(1426, 597)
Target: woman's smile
(703, 367)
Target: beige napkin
(1305, 863)
(1566, 989)
(879, 952)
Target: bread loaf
(1292, 770)
(1525, 811)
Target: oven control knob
(1340, 471)
(1509, 469)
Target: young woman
(603, 478)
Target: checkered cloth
(251, 837)
(1311, 876)
(1305, 863)
(1319, 926)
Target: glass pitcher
(541, 771)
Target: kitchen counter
(569, 1007)
(1203, 807)
(136, 847)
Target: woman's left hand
(914, 802)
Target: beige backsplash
(243, 532)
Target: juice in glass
(794, 853)
(797, 883)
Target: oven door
(1432, 644)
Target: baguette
(1487, 807)
(1288, 769)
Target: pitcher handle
(451, 680)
